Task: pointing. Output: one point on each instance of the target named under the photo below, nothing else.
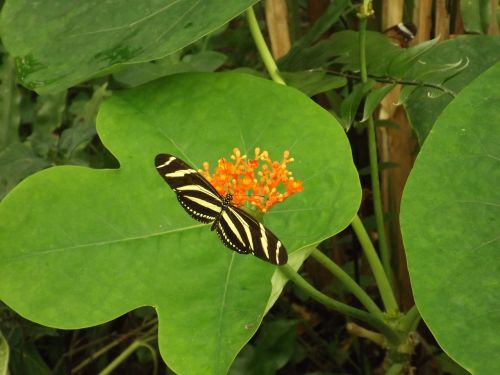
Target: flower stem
(383, 284)
(348, 282)
(261, 45)
(374, 172)
(353, 312)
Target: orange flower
(262, 188)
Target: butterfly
(237, 230)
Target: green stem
(383, 284)
(353, 312)
(125, 354)
(261, 45)
(348, 282)
(374, 172)
(411, 319)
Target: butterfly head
(227, 199)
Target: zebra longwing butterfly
(237, 230)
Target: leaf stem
(374, 172)
(343, 308)
(383, 284)
(261, 45)
(411, 319)
(348, 282)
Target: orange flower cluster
(262, 188)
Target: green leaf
(94, 244)
(48, 117)
(450, 220)
(16, 163)
(350, 105)
(4, 355)
(476, 15)
(313, 82)
(138, 74)
(59, 44)
(373, 100)
(423, 107)
(343, 48)
(10, 99)
(83, 129)
(399, 66)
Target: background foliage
(60, 62)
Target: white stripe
(198, 188)
(245, 226)
(180, 173)
(232, 227)
(204, 203)
(166, 163)
(263, 240)
(406, 30)
(278, 246)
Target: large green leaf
(79, 246)
(59, 43)
(450, 220)
(426, 104)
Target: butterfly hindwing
(241, 232)
(195, 194)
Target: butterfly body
(237, 230)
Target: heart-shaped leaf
(79, 246)
(58, 44)
(450, 220)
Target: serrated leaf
(423, 108)
(59, 44)
(94, 244)
(374, 98)
(450, 221)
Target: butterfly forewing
(195, 194)
(237, 230)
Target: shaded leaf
(423, 108)
(83, 129)
(374, 98)
(58, 44)
(476, 15)
(17, 162)
(350, 105)
(313, 82)
(400, 64)
(4, 355)
(138, 74)
(450, 221)
(108, 241)
(10, 99)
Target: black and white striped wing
(242, 233)
(196, 195)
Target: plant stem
(261, 45)
(348, 282)
(374, 172)
(383, 284)
(126, 353)
(353, 312)
(411, 319)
